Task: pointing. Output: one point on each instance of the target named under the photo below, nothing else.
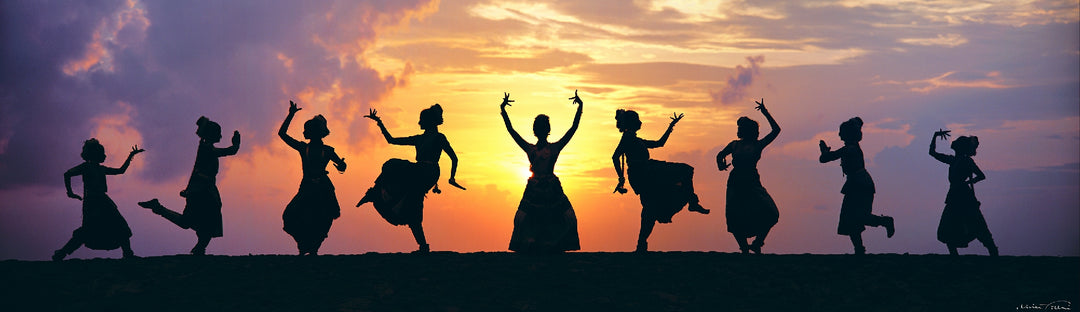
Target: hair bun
(619, 113)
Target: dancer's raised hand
(943, 134)
(576, 99)
(675, 118)
(506, 101)
(372, 115)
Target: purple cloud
(739, 82)
(167, 63)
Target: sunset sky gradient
(141, 72)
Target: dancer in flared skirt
(663, 187)
(203, 210)
(751, 212)
(962, 221)
(103, 228)
(310, 213)
(398, 193)
(545, 221)
(858, 190)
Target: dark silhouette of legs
(173, 216)
(418, 234)
(759, 241)
(743, 246)
(200, 246)
(181, 221)
(856, 241)
(694, 205)
(126, 247)
(643, 235)
(74, 243)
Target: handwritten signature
(1060, 305)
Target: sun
(525, 173)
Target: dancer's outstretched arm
(828, 155)
(75, 171)
(453, 165)
(123, 168)
(386, 133)
(979, 176)
(283, 130)
(616, 160)
(506, 120)
(772, 124)
(231, 150)
(663, 139)
(577, 119)
(721, 157)
(944, 135)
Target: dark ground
(661, 281)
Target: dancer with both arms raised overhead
(103, 228)
(203, 210)
(398, 194)
(962, 221)
(663, 187)
(312, 211)
(858, 190)
(751, 212)
(545, 221)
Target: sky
(142, 72)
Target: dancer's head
(93, 151)
(542, 126)
(315, 129)
(965, 145)
(851, 130)
(431, 117)
(627, 120)
(208, 130)
(748, 128)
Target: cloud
(238, 63)
(119, 30)
(950, 40)
(952, 79)
(737, 84)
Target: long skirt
(545, 220)
(398, 194)
(856, 210)
(203, 211)
(962, 221)
(750, 209)
(663, 188)
(103, 228)
(311, 212)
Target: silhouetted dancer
(858, 190)
(103, 228)
(202, 212)
(663, 187)
(312, 211)
(545, 221)
(962, 221)
(398, 194)
(751, 212)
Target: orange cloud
(953, 79)
(121, 29)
